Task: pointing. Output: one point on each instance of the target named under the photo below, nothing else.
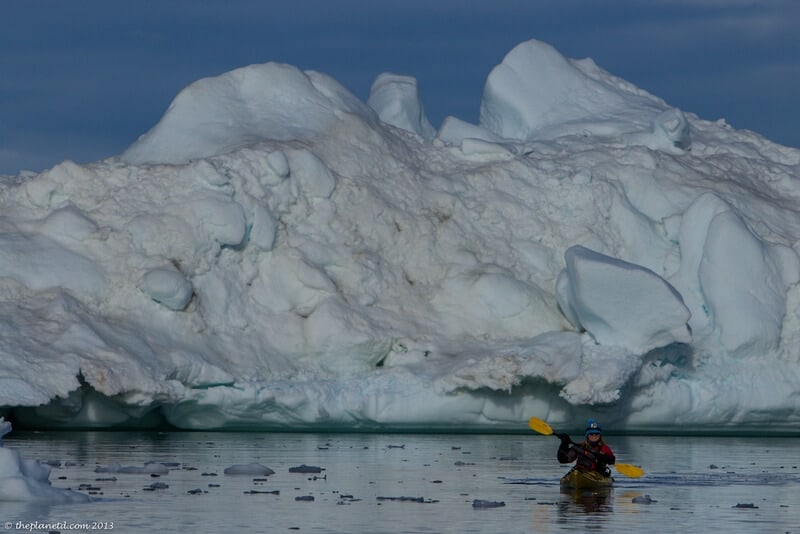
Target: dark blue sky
(82, 80)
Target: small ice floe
(481, 503)
(149, 468)
(305, 469)
(253, 469)
(643, 499)
(156, 486)
(90, 489)
(5, 428)
(407, 499)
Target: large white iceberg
(273, 255)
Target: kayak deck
(575, 479)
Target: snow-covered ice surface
(276, 253)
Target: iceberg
(23, 480)
(275, 254)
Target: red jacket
(586, 456)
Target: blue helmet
(593, 427)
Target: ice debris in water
(249, 469)
(481, 503)
(305, 469)
(149, 468)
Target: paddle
(537, 425)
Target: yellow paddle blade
(629, 470)
(537, 425)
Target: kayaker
(591, 455)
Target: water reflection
(588, 501)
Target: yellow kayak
(575, 479)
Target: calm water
(375, 483)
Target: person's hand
(565, 439)
(605, 458)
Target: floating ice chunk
(482, 503)
(167, 286)
(5, 428)
(254, 469)
(396, 100)
(620, 303)
(306, 469)
(28, 481)
(149, 468)
(24, 480)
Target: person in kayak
(591, 455)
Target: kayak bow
(582, 480)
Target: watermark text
(50, 526)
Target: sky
(83, 80)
